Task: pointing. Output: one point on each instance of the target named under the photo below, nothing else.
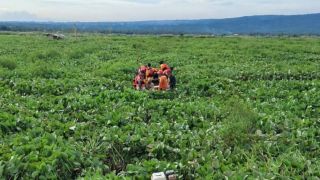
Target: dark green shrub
(77, 54)
(48, 72)
(8, 63)
(110, 69)
(44, 156)
(46, 55)
(239, 124)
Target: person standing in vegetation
(172, 79)
(149, 71)
(140, 79)
(168, 72)
(142, 69)
(139, 83)
(163, 81)
(163, 66)
(149, 76)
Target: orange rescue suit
(163, 82)
(164, 67)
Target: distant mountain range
(269, 25)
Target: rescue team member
(172, 79)
(155, 79)
(149, 71)
(142, 69)
(167, 72)
(147, 77)
(143, 77)
(163, 81)
(139, 81)
(163, 66)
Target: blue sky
(133, 10)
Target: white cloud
(18, 16)
(129, 10)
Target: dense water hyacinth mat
(244, 107)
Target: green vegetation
(7, 63)
(244, 107)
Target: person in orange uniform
(163, 81)
(163, 66)
(149, 76)
(149, 71)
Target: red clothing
(138, 79)
(143, 69)
(164, 67)
(167, 72)
(149, 72)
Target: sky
(139, 10)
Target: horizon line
(160, 20)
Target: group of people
(148, 77)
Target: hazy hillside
(294, 24)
